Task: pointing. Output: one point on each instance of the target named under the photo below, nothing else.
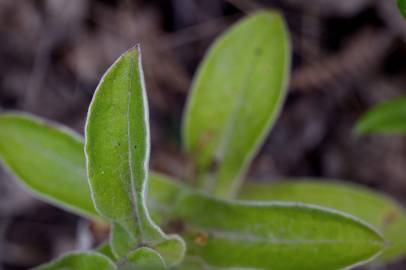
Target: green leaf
(117, 145)
(193, 263)
(48, 159)
(236, 97)
(260, 235)
(143, 258)
(388, 117)
(80, 261)
(402, 7)
(117, 151)
(378, 210)
(121, 241)
(105, 249)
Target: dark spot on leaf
(201, 239)
(258, 51)
(390, 218)
(214, 165)
(204, 139)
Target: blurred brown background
(348, 55)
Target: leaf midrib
(261, 239)
(134, 199)
(224, 141)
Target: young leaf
(144, 259)
(388, 117)
(378, 210)
(262, 235)
(105, 250)
(235, 99)
(122, 242)
(117, 151)
(80, 261)
(48, 159)
(402, 7)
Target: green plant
(402, 7)
(235, 99)
(388, 117)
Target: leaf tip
(359, 129)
